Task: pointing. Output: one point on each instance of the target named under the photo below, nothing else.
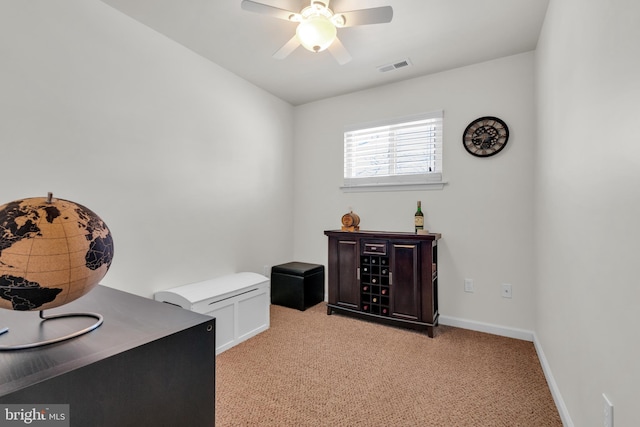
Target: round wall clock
(485, 136)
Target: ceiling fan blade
(288, 47)
(264, 9)
(376, 15)
(339, 52)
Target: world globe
(52, 251)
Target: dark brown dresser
(148, 364)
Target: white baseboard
(555, 391)
(504, 331)
(521, 334)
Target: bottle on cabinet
(419, 218)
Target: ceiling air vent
(394, 66)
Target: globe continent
(52, 251)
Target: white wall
(484, 213)
(189, 165)
(587, 205)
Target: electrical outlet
(506, 290)
(468, 285)
(608, 412)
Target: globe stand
(44, 318)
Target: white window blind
(406, 150)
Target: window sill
(395, 187)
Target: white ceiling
(435, 35)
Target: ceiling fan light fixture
(318, 25)
(316, 33)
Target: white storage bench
(239, 302)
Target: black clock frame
(492, 136)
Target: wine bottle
(419, 218)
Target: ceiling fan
(318, 25)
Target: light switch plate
(468, 285)
(608, 411)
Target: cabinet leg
(329, 311)
(430, 331)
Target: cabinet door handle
(390, 278)
(358, 273)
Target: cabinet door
(344, 288)
(405, 281)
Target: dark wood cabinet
(148, 364)
(386, 277)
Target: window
(406, 151)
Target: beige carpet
(310, 369)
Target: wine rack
(387, 277)
(374, 284)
